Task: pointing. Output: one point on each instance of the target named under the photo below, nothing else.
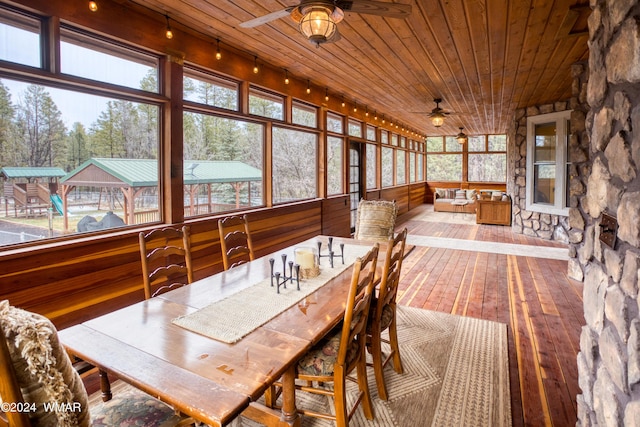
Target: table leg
(289, 411)
(288, 415)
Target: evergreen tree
(7, 113)
(41, 128)
(77, 151)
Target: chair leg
(395, 347)
(340, 399)
(378, 368)
(363, 384)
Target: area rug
(456, 373)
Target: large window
(401, 173)
(334, 123)
(92, 58)
(547, 177)
(335, 165)
(444, 160)
(265, 104)
(295, 165)
(77, 161)
(210, 90)
(223, 164)
(20, 38)
(372, 164)
(304, 115)
(355, 128)
(488, 158)
(387, 167)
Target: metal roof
(144, 172)
(11, 172)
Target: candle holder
(309, 262)
(281, 279)
(331, 255)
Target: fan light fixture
(93, 6)
(169, 32)
(461, 137)
(318, 22)
(437, 117)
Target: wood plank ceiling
(484, 58)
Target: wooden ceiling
(484, 58)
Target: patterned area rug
(456, 373)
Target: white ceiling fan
(317, 19)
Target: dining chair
(166, 259)
(383, 314)
(40, 388)
(342, 351)
(235, 241)
(376, 220)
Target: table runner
(234, 317)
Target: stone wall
(530, 223)
(609, 358)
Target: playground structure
(31, 191)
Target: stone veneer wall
(609, 358)
(536, 224)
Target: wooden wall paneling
(400, 194)
(417, 194)
(336, 217)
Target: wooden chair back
(166, 259)
(357, 309)
(235, 241)
(9, 389)
(390, 278)
(383, 314)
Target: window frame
(562, 121)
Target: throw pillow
(441, 192)
(471, 195)
(376, 220)
(450, 193)
(461, 195)
(43, 369)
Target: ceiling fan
(317, 19)
(438, 114)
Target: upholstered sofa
(443, 200)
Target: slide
(57, 203)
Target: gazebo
(133, 176)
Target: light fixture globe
(461, 137)
(437, 119)
(318, 23)
(437, 116)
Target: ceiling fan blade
(335, 37)
(267, 18)
(390, 10)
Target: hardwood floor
(531, 294)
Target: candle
(305, 258)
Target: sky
(22, 46)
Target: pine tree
(41, 128)
(7, 113)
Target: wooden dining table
(210, 380)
